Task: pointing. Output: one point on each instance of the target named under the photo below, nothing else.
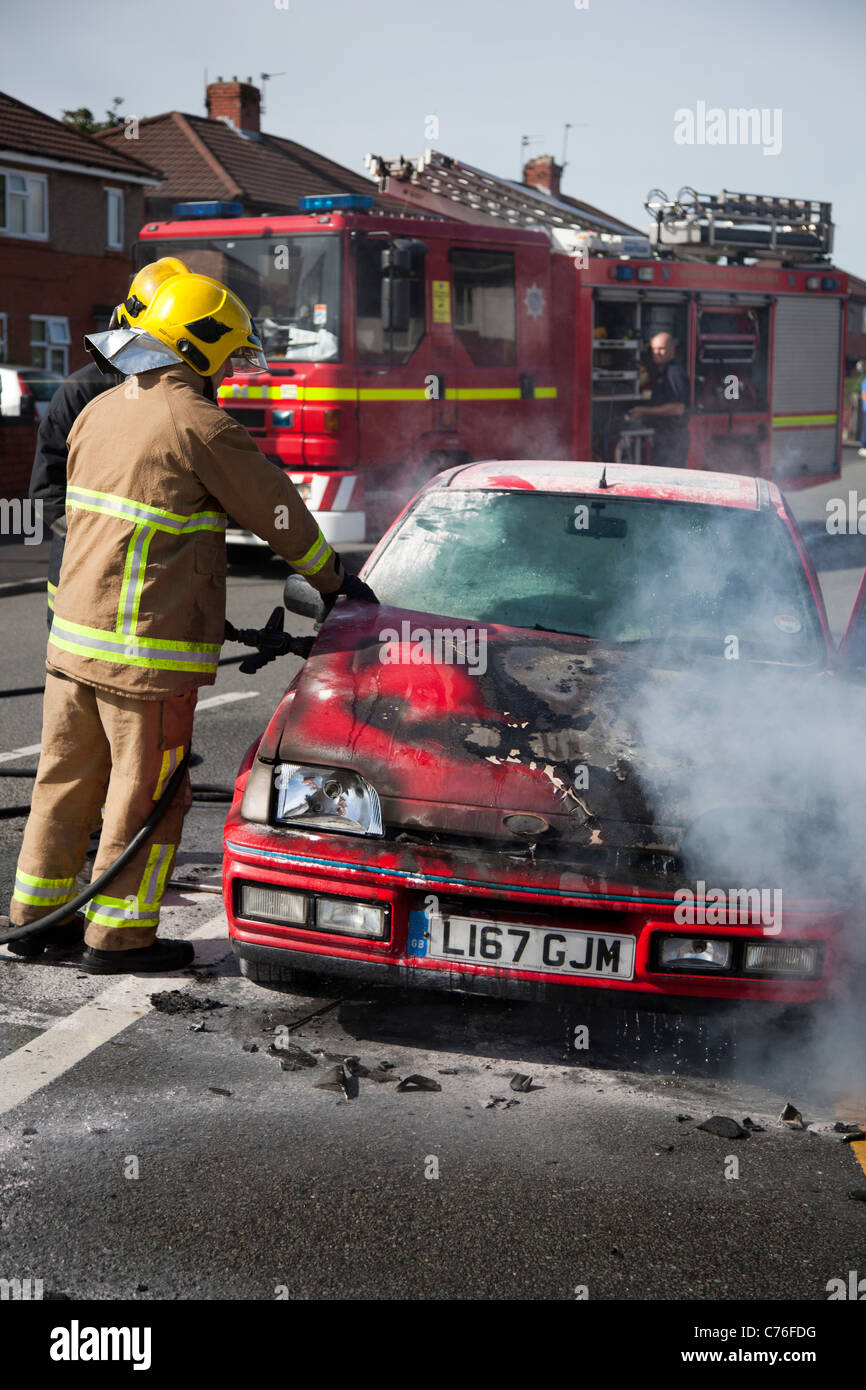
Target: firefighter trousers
(101, 747)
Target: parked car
(569, 749)
(26, 391)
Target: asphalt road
(147, 1155)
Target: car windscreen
(616, 569)
(290, 284)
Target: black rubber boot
(159, 957)
(67, 936)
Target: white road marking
(69, 1040)
(212, 700)
(226, 699)
(20, 752)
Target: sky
(362, 76)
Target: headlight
(695, 953)
(781, 959)
(320, 798)
(355, 919)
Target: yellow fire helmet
(144, 286)
(205, 323)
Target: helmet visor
(249, 359)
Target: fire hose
(271, 641)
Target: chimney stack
(543, 173)
(239, 102)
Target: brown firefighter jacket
(154, 466)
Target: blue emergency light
(207, 210)
(337, 202)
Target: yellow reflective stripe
(383, 393)
(50, 892)
(136, 560)
(170, 760)
(104, 918)
(150, 653)
(138, 587)
(315, 557)
(377, 393)
(153, 879)
(148, 663)
(127, 509)
(114, 497)
(787, 422)
(33, 900)
(245, 393)
(37, 882)
(158, 643)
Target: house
(70, 210)
(226, 157)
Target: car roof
(622, 480)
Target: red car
(566, 751)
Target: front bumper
(493, 887)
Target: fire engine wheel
(274, 975)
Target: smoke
(766, 762)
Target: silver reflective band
(113, 505)
(133, 651)
(130, 351)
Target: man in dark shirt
(667, 411)
(48, 476)
(48, 479)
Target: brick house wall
(73, 274)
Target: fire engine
(486, 318)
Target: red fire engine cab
(490, 320)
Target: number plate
(560, 951)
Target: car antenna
(602, 482)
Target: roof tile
(28, 131)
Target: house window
(114, 219)
(23, 204)
(4, 338)
(49, 343)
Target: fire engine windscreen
(290, 284)
(679, 575)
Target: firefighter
(140, 610)
(667, 411)
(48, 478)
